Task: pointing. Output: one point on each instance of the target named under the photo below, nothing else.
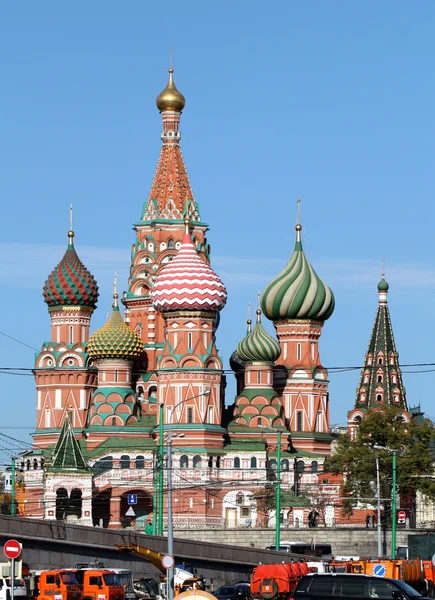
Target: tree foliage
(356, 459)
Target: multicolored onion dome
(188, 283)
(298, 292)
(170, 98)
(115, 339)
(70, 283)
(258, 345)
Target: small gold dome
(170, 98)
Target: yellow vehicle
(183, 580)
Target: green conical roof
(258, 345)
(298, 292)
(67, 453)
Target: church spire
(67, 453)
(171, 197)
(381, 378)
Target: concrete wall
(344, 541)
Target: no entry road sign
(12, 549)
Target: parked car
(237, 591)
(320, 586)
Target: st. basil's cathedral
(105, 399)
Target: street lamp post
(393, 498)
(170, 578)
(277, 488)
(378, 502)
(160, 467)
(394, 508)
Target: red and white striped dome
(188, 283)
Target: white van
(20, 590)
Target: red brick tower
(189, 294)
(160, 231)
(298, 302)
(64, 380)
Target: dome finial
(170, 99)
(258, 311)
(187, 224)
(298, 224)
(383, 286)
(249, 321)
(70, 232)
(115, 291)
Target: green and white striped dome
(258, 345)
(298, 292)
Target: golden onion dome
(115, 339)
(170, 98)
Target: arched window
(380, 360)
(299, 420)
(103, 465)
(140, 462)
(125, 461)
(379, 378)
(237, 462)
(184, 462)
(300, 467)
(28, 465)
(35, 464)
(253, 462)
(314, 466)
(218, 462)
(379, 398)
(210, 462)
(285, 465)
(152, 393)
(272, 464)
(170, 243)
(239, 499)
(197, 462)
(113, 421)
(75, 503)
(61, 504)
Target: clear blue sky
(331, 101)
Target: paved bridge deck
(57, 544)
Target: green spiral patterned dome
(258, 345)
(298, 292)
(115, 339)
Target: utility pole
(170, 572)
(394, 508)
(13, 508)
(155, 490)
(278, 495)
(378, 502)
(160, 467)
(393, 497)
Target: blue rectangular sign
(132, 498)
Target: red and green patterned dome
(70, 283)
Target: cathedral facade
(107, 403)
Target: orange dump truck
(276, 581)
(100, 584)
(57, 585)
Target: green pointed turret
(67, 453)
(381, 377)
